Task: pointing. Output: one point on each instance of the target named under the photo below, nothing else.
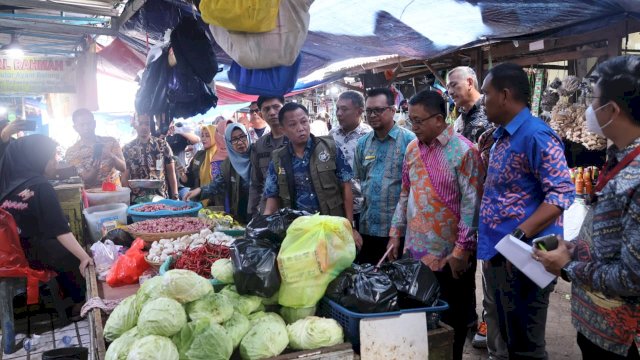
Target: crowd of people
(442, 193)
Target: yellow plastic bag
(315, 251)
(253, 16)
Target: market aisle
(561, 336)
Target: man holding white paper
(527, 188)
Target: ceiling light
(13, 49)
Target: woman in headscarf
(44, 231)
(234, 178)
(206, 164)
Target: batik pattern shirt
(440, 198)
(306, 198)
(80, 155)
(605, 271)
(378, 165)
(526, 168)
(347, 142)
(147, 161)
(473, 123)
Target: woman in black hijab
(44, 231)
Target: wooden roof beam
(57, 28)
(50, 5)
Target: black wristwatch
(564, 274)
(520, 235)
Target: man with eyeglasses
(261, 151)
(438, 206)
(258, 127)
(378, 165)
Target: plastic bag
(417, 285)
(252, 16)
(194, 50)
(128, 267)
(363, 289)
(316, 250)
(104, 255)
(151, 97)
(273, 227)
(119, 237)
(254, 267)
(275, 81)
(278, 47)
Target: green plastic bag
(315, 251)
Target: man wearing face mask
(526, 190)
(603, 264)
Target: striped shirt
(378, 165)
(440, 199)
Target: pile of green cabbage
(179, 316)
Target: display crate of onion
(167, 228)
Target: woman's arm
(70, 243)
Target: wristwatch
(564, 274)
(519, 234)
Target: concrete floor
(561, 336)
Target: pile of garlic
(163, 248)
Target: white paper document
(519, 254)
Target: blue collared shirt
(378, 166)
(527, 167)
(306, 198)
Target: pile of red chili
(200, 259)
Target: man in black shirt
(178, 138)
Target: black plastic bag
(364, 290)
(188, 95)
(119, 237)
(193, 49)
(417, 285)
(255, 267)
(151, 97)
(273, 227)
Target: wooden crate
(441, 342)
(73, 213)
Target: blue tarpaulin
(421, 29)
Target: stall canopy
(420, 29)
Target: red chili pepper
(199, 260)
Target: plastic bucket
(98, 197)
(98, 215)
(70, 353)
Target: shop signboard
(37, 75)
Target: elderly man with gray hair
(462, 85)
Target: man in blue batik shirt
(526, 190)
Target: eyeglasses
(418, 122)
(376, 111)
(238, 140)
(275, 107)
(254, 111)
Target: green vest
(322, 169)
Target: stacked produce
(567, 118)
(168, 225)
(180, 316)
(163, 248)
(222, 220)
(200, 259)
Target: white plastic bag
(104, 255)
(574, 217)
(279, 47)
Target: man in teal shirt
(378, 165)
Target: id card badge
(159, 164)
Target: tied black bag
(417, 285)
(363, 289)
(255, 267)
(272, 227)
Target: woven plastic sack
(254, 16)
(279, 47)
(316, 250)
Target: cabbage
(261, 316)
(314, 332)
(266, 339)
(123, 318)
(119, 349)
(222, 270)
(185, 286)
(248, 304)
(203, 340)
(162, 316)
(237, 327)
(150, 347)
(150, 289)
(270, 301)
(213, 306)
(291, 315)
